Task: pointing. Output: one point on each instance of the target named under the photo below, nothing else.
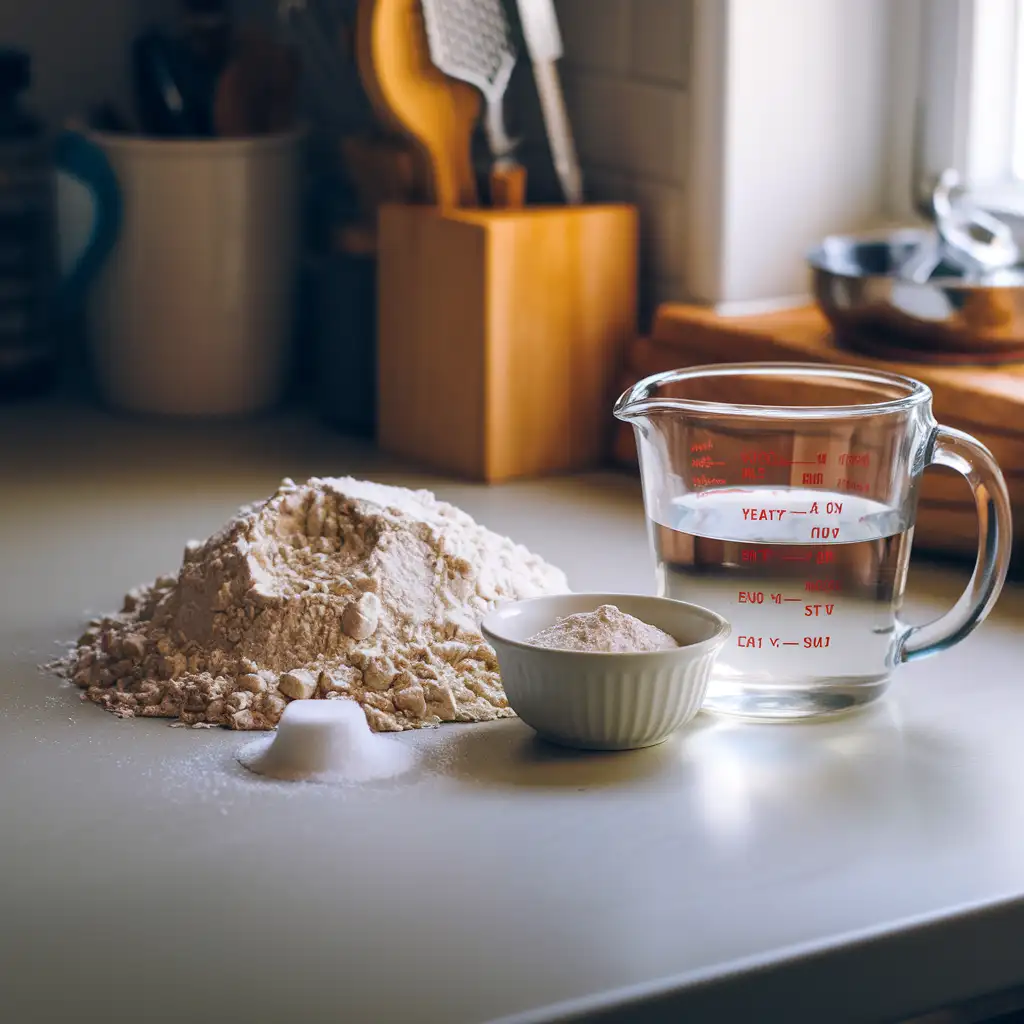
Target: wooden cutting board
(984, 396)
(646, 357)
(985, 402)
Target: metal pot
(858, 286)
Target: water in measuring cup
(812, 583)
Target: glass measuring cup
(783, 497)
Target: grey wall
(626, 73)
(80, 48)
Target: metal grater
(471, 40)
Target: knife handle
(508, 185)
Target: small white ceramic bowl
(605, 701)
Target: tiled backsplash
(626, 76)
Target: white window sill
(1008, 200)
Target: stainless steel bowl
(859, 288)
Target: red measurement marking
(795, 512)
(753, 457)
(750, 641)
(777, 598)
(704, 446)
(728, 490)
(705, 462)
(755, 555)
(812, 479)
(797, 558)
(750, 597)
(825, 555)
(817, 641)
(843, 484)
(707, 481)
(797, 599)
(818, 585)
(753, 472)
(824, 533)
(814, 610)
(855, 459)
(763, 515)
(820, 459)
(791, 643)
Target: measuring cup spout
(623, 408)
(635, 404)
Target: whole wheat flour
(608, 629)
(337, 588)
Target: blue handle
(80, 158)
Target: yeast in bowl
(598, 700)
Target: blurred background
(190, 197)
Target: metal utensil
(169, 104)
(967, 242)
(926, 258)
(544, 45)
(982, 243)
(471, 40)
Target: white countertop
(862, 870)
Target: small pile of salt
(326, 741)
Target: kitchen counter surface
(863, 870)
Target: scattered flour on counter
(606, 630)
(334, 589)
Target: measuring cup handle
(961, 452)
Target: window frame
(968, 83)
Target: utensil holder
(192, 313)
(501, 335)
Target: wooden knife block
(502, 334)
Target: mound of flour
(337, 588)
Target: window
(814, 117)
(1018, 94)
(970, 101)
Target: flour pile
(338, 588)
